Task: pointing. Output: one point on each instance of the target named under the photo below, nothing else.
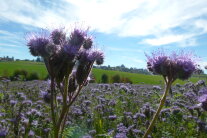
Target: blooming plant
(69, 61)
(171, 66)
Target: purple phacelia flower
(91, 56)
(37, 44)
(112, 117)
(121, 128)
(88, 43)
(121, 135)
(70, 50)
(77, 37)
(203, 101)
(97, 56)
(173, 66)
(13, 102)
(27, 102)
(31, 133)
(58, 36)
(202, 91)
(156, 88)
(46, 96)
(3, 133)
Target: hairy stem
(162, 102)
(64, 106)
(64, 116)
(52, 107)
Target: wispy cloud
(5, 51)
(182, 40)
(126, 18)
(14, 39)
(9, 45)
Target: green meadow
(8, 68)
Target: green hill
(8, 68)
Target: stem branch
(162, 102)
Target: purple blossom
(77, 37)
(121, 128)
(121, 135)
(70, 50)
(46, 96)
(88, 43)
(97, 56)
(203, 100)
(174, 66)
(58, 36)
(13, 102)
(156, 88)
(27, 102)
(37, 44)
(31, 133)
(3, 133)
(202, 91)
(112, 117)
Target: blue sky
(124, 29)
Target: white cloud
(165, 40)
(122, 17)
(202, 24)
(182, 40)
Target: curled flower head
(37, 44)
(173, 66)
(53, 49)
(46, 96)
(185, 65)
(88, 43)
(70, 50)
(203, 100)
(91, 56)
(97, 56)
(58, 36)
(77, 37)
(3, 133)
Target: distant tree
(38, 59)
(116, 78)
(199, 71)
(5, 73)
(33, 76)
(104, 78)
(126, 80)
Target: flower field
(103, 110)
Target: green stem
(162, 102)
(55, 129)
(64, 106)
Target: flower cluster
(61, 53)
(203, 101)
(172, 65)
(69, 61)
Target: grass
(137, 78)
(7, 69)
